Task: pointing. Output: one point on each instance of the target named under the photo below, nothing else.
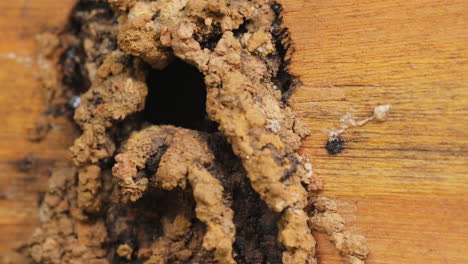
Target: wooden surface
(21, 103)
(403, 183)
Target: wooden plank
(21, 103)
(406, 177)
(402, 182)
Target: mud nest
(189, 148)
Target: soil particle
(125, 251)
(116, 93)
(352, 246)
(89, 189)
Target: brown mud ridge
(189, 149)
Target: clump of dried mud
(159, 193)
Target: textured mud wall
(230, 187)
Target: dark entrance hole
(177, 96)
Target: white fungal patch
(380, 114)
(348, 119)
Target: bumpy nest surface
(159, 193)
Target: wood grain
(21, 103)
(406, 177)
(402, 182)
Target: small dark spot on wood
(26, 164)
(335, 145)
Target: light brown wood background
(403, 183)
(21, 103)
